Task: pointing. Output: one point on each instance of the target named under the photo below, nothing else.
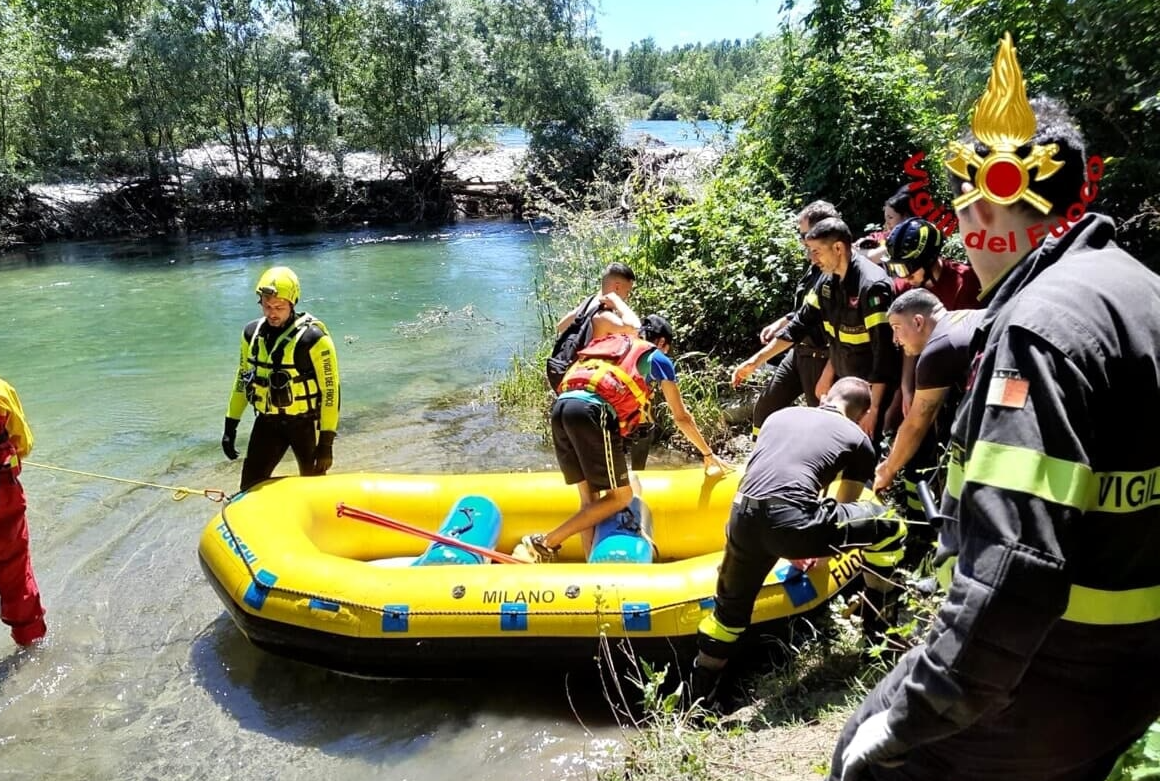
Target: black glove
(324, 452)
(229, 437)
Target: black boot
(703, 684)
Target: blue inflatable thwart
(624, 538)
(474, 520)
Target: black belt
(749, 503)
(811, 352)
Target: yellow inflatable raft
(304, 582)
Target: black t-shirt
(945, 359)
(945, 362)
(801, 450)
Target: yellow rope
(179, 492)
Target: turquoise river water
(123, 354)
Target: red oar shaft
(344, 509)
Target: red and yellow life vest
(609, 367)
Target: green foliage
(1141, 762)
(419, 78)
(718, 269)
(549, 82)
(668, 106)
(696, 79)
(841, 129)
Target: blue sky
(677, 22)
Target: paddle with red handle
(346, 510)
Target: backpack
(568, 343)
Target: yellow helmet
(280, 282)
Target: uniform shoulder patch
(1008, 389)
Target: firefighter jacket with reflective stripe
(852, 311)
(1054, 601)
(288, 371)
(814, 335)
(610, 368)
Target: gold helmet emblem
(1004, 122)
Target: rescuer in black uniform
(802, 367)
(1041, 664)
(850, 302)
(938, 342)
(778, 513)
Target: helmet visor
(899, 269)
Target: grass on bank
(787, 728)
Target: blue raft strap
(513, 616)
(259, 588)
(395, 618)
(798, 586)
(637, 616)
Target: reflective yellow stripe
(1031, 472)
(878, 318)
(955, 480)
(1107, 608)
(849, 338)
(1055, 479)
(829, 328)
(887, 552)
(812, 300)
(714, 629)
(883, 559)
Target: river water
(674, 133)
(123, 355)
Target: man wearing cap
(1041, 663)
(288, 371)
(603, 398)
(914, 261)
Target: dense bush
(667, 106)
(719, 269)
(841, 129)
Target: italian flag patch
(1007, 389)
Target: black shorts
(588, 444)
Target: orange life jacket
(608, 368)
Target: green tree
(643, 65)
(421, 85)
(842, 130)
(545, 70)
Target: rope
(179, 492)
